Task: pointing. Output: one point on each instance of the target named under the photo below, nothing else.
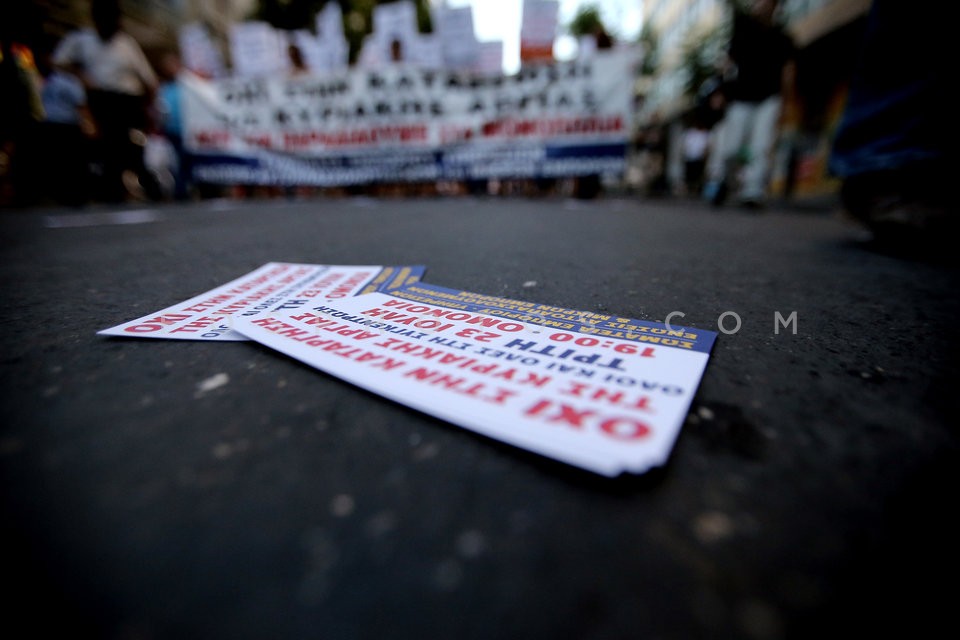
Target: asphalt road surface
(810, 494)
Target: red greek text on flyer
(561, 408)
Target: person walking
(67, 128)
(170, 110)
(759, 66)
(696, 147)
(893, 149)
(121, 88)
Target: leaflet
(211, 315)
(607, 394)
(598, 325)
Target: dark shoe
(903, 210)
(720, 195)
(911, 224)
(753, 205)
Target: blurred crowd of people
(723, 146)
(115, 122)
(889, 149)
(87, 117)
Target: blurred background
(679, 44)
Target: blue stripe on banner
(474, 162)
(586, 150)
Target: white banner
(402, 122)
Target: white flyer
(211, 315)
(603, 393)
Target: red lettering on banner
(356, 137)
(550, 127)
(213, 139)
(260, 140)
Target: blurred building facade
(827, 34)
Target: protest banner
(606, 404)
(210, 315)
(404, 123)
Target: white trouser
(748, 131)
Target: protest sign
(258, 50)
(329, 23)
(199, 53)
(210, 315)
(459, 42)
(328, 51)
(425, 52)
(538, 28)
(392, 22)
(604, 401)
(395, 20)
(490, 58)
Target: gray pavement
(809, 495)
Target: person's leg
(80, 166)
(896, 110)
(729, 139)
(760, 142)
(181, 174)
(696, 169)
(137, 138)
(890, 148)
(113, 139)
(66, 166)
